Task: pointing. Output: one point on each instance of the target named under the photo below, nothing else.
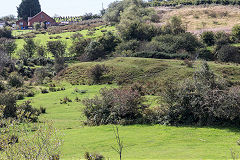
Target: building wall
(21, 23)
(41, 17)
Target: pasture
(140, 141)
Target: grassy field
(141, 141)
(42, 39)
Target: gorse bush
(228, 53)
(96, 73)
(203, 100)
(236, 32)
(29, 47)
(208, 38)
(15, 80)
(114, 106)
(5, 32)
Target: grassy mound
(129, 70)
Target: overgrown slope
(128, 70)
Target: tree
(28, 8)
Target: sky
(59, 7)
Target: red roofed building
(41, 17)
(38, 18)
(22, 24)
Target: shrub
(2, 86)
(236, 32)
(78, 47)
(41, 51)
(161, 55)
(44, 90)
(114, 106)
(126, 48)
(203, 100)
(174, 26)
(109, 42)
(43, 110)
(5, 32)
(208, 38)
(29, 47)
(93, 156)
(37, 26)
(57, 48)
(8, 100)
(222, 38)
(94, 51)
(65, 100)
(25, 112)
(228, 53)
(205, 54)
(15, 81)
(7, 45)
(95, 74)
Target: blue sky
(59, 7)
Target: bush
(205, 54)
(15, 81)
(57, 48)
(203, 100)
(29, 47)
(8, 100)
(95, 74)
(78, 47)
(94, 51)
(174, 26)
(37, 26)
(44, 90)
(228, 53)
(126, 48)
(93, 156)
(236, 32)
(2, 86)
(208, 38)
(161, 55)
(114, 106)
(25, 112)
(7, 45)
(5, 32)
(222, 38)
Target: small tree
(7, 45)
(29, 47)
(120, 146)
(37, 26)
(57, 48)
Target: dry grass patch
(216, 17)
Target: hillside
(203, 17)
(144, 69)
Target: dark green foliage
(134, 29)
(228, 53)
(5, 32)
(205, 54)
(7, 45)
(26, 112)
(208, 38)
(2, 86)
(126, 48)
(29, 47)
(8, 102)
(43, 110)
(174, 26)
(160, 55)
(44, 90)
(78, 46)
(236, 32)
(15, 81)
(57, 48)
(41, 51)
(185, 42)
(109, 41)
(222, 38)
(94, 51)
(96, 73)
(28, 8)
(112, 14)
(203, 100)
(114, 106)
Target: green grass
(141, 141)
(65, 37)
